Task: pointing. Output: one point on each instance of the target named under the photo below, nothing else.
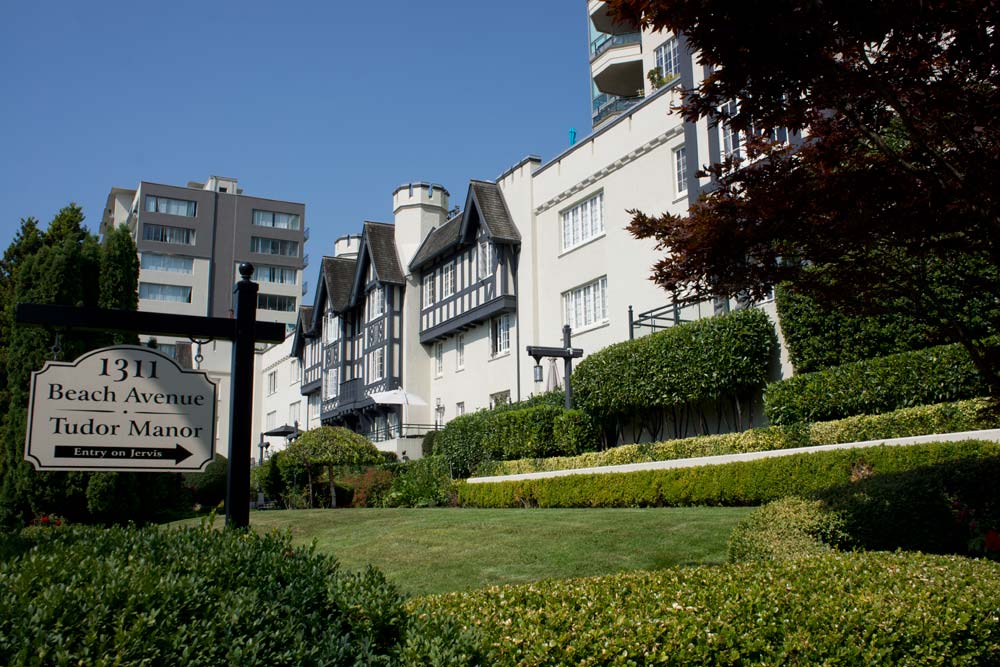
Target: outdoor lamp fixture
(567, 353)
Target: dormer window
(376, 302)
(484, 258)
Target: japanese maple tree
(890, 202)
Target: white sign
(125, 408)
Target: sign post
(244, 330)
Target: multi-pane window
(331, 383)
(460, 408)
(271, 420)
(680, 170)
(667, 59)
(272, 382)
(167, 234)
(294, 413)
(169, 206)
(294, 372)
(152, 261)
(730, 137)
(157, 292)
(447, 280)
(500, 334)
(378, 364)
(438, 359)
(460, 352)
(586, 305)
(276, 220)
(484, 258)
(280, 275)
(499, 398)
(266, 246)
(376, 302)
(331, 327)
(313, 407)
(278, 302)
(583, 222)
(429, 288)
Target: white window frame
(271, 420)
(312, 408)
(485, 258)
(165, 293)
(583, 222)
(667, 57)
(447, 280)
(430, 291)
(378, 364)
(276, 219)
(331, 383)
(272, 383)
(586, 306)
(294, 371)
(680, 170)
(376, 302)
(438, 359)
(459, 352)
(460, 408)
(295, 413)
(500, 335)
(331, 327)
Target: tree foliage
(330, 448)
(891, 197)
(66, 265)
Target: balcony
(618, 71)
(305, 287)
(605, 42)
(305, 234)
(609, 106)
(311, 377)
(601, 17)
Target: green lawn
(427, 551)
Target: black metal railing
(604, 42)
(656, 319)
(402, 431)
(606, 106)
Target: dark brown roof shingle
(382, 244)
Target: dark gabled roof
(484, 205)
(303, 330)
(494, 211)
(380, 240)
(438, 241)
(338, 276)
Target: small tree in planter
(331, 447)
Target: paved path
(989, 434)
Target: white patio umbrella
(396, 397)
(553, 380)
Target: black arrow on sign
(178, 453)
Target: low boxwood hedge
(967, 415)
(128, 596)
(744, 483)
(833, 609)
(933, 375)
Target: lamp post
(567, 353)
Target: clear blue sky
(332, 104)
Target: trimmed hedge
(949, 508)
(744, 483)
(128, 596)
(818, 336)
(689, 363)
(934, 375)
(785, 529)
(843, 609)
(971, 415)
(469, 441)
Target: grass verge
(430, 551)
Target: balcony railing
(605, 42)
(305, 234)
(305, 287)
(606, 106)
(403, 431)
(305, 260)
